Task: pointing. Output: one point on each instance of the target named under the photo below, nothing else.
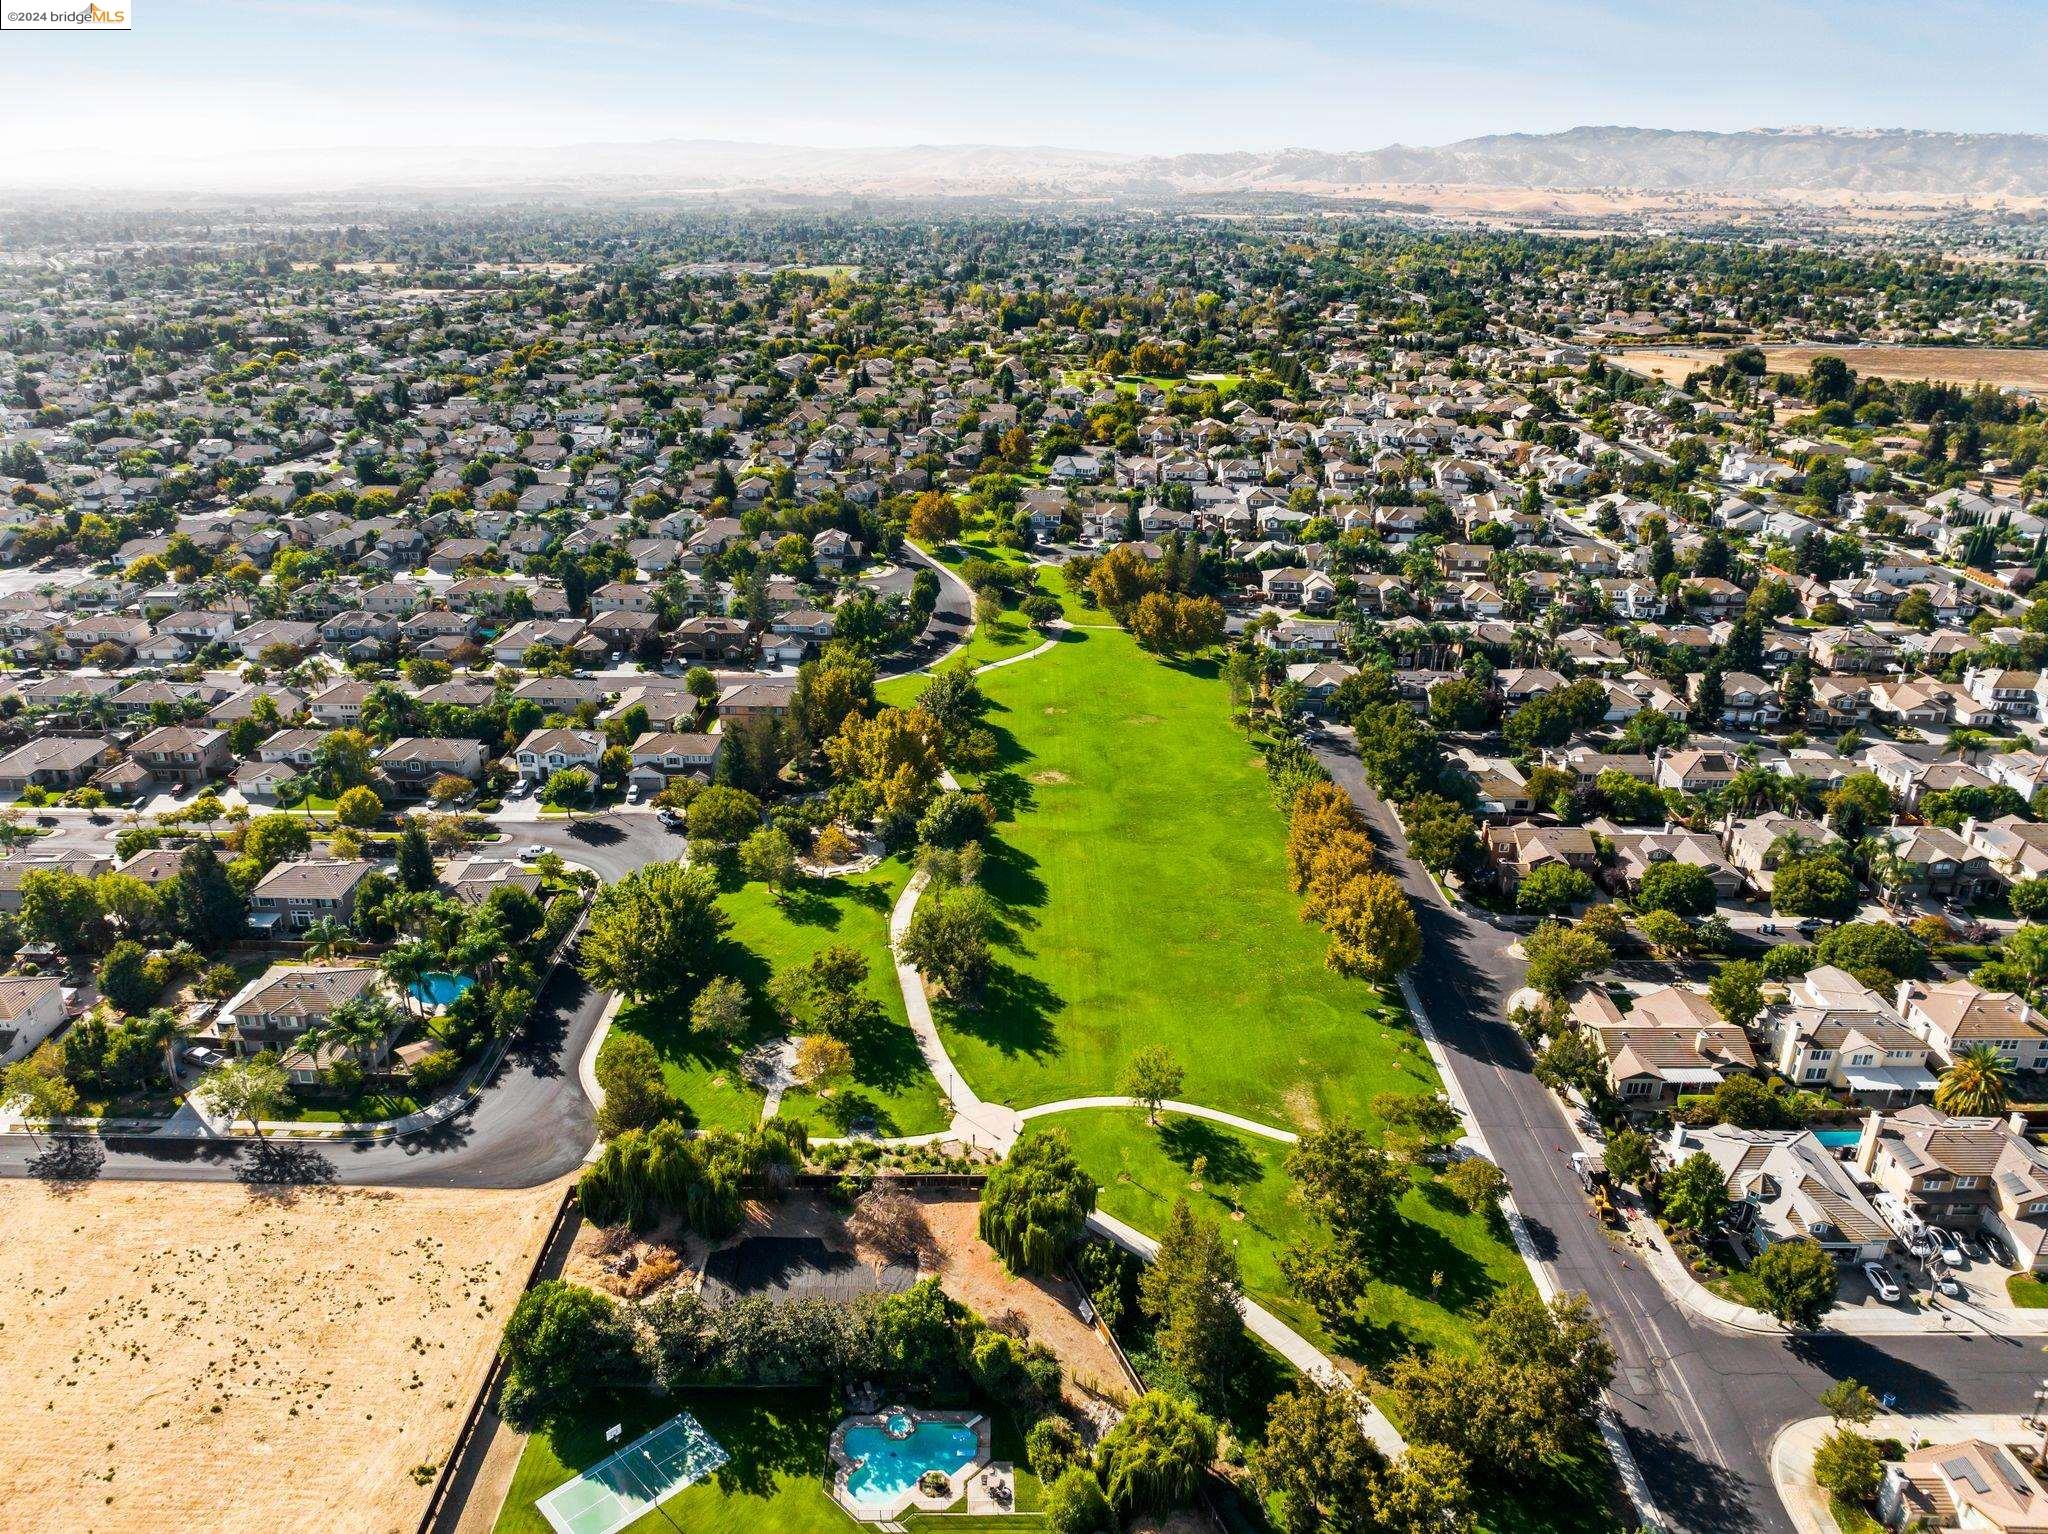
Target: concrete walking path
(1271, 1330)
(988, 1125)
(1190, 1110)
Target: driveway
(1698, 1405)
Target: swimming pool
(438, 989)
(1835, 1139)
(888, 1465)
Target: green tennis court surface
(647, 1472)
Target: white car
(1946, 1283)
(532, 852)
(1945, 1243)
(1881, 1282)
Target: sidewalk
(1792, 1451)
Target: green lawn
(1141, 869)
(2027, 1292)
(773, 1483)
(1142, 1169)
(892, 1090)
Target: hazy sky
(214, 78)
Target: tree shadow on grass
(812, 905)
(850, 1111)
(1229, 1162)
(885, 1053)
(1429, 1265)
(1015, 1015)
(766, 1436)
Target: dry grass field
(1999, 366)
(195, 1356)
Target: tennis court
(644, 1474)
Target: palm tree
(1975, 1083)
(358, 1026)
(405, 964)
(327, 939)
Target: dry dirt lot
(1996, 365)
(192, 1356)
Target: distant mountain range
(1819, 163)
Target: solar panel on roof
(1964, 1469)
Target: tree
(59, 908)
(1426, 1491)
(654, 933)
(342, 761)
(124, 977)
(1629, 799)
(1315, 1461)
(562, 1346)
(1870, 945)
(208, 909)
(1671, 936)
(1684, 888)
(952, 821)
(947, 941)
(1348, 1183)
(569, 788)
(934, 518)
(1552, 888)
(821, 1058)
(359, 807)
(1696, 1194)
(1630, 1156)
(1850, 1466)
(270, 839)
(1975, 1083)
(254, 1089)
(1152, 1460)
(724, 814)
(1813, 886)
(36, 1091)
(415, 861)
(1737, 991)
(1372, 928)
(1476, 1183)
(1560, 958)
(1458, 704)
(721, 1009)
(1849, 1400)
(1572, 1062)
(629, 1074)
(1191, 1291)
(770, 857)
(1798, 1281)
(1035, 1205)
(1151, 1077)
(1074, 1503)
(2030, 899)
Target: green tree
(1152, 1461)
(1850, 1466)
(254, 1089)
(1476, 1183)
(1976, 1083)
(1553, 888)
(655, 933)
(358, 807)
(1561, 958)
(1036, 1203)
(1074, 1503)
(124, 977)
(1314, 1461)
(1151, 1076)
(562, 1347)
(208, 908)
(723, 814)
(1191, 1292)
(59, 908)
(947, 941)
(569, 788)
(769, 857)
(1798, 1281)
(1684, 888)
(415, 861)
(1737, 991)
(1630, 1156)
(1849, 1400)
(1670, 935)
(270, 839)
(1859, 946)
(1813, 886)
(629, 1074)
(1696, 1194)
(721, 1009)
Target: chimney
(2016, 1121)
(1866, 1147)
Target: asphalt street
(1699, 1404)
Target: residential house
(1962, 1173)
(1954, 1015)
(294, 894)
(31, 1009)
(1784, 1185)
(273, 1011)
(545, 752)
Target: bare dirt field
(1999, 366)
(186, 1355)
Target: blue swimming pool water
(1838, 1137)
(888, 1467)
(437, 989)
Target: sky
(208, 80)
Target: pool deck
(957, 1483)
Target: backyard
(774, 1482)
(892, 1091)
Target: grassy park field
(891, 1090)
(1141, 873)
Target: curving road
(1698, 1404)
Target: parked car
(532, 852)
(1995, 1244)
(206, 1059)
(1946, 1283)
(1881, 1282)
(1945, 1243)
(1768, 928)
(1973, 1246)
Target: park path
(1190, 1110)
